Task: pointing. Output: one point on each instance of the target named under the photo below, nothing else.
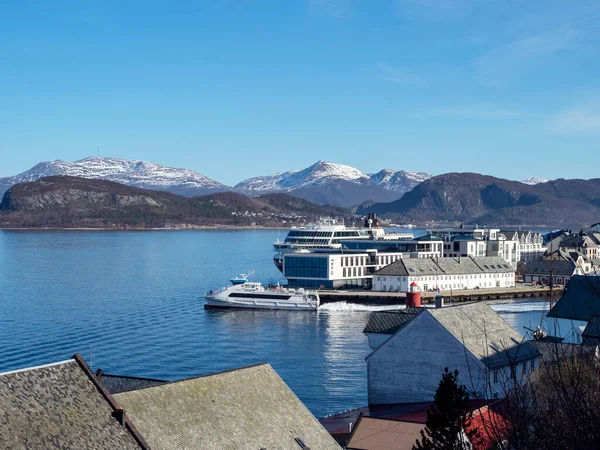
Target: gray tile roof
(543, 266)
(458, 266)
(249, 408)
(388, 322)
(580, 301)
(490, 264)
(115, 384)
(485, 334)
(553, 352)
(510, 235)
(445, 266)
(57, 406)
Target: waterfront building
(585, 264)
(580, 300)
(445, 274)
(247, 408)
(531, 245)
(587, 243)
(383, 324)
(513, 246)
(545, 271)
(353, 265)
(471, 338)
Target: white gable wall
(408, 368)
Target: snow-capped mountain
(399, 181)
(337, 184)
(136, 173)
(534, 180)
(319, 173)
(323, 172)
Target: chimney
(119, 414)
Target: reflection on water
(137, 298)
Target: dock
(466, 295)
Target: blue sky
(234, 89)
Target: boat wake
(345, 306)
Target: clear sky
(239, 88)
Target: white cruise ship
(324, 234)
(251, 295)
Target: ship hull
(258, 303)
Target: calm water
(137, 299)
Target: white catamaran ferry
(324, 234)
(252, 295)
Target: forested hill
(70, 202)
(475, 198)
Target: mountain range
(322, 183)
(67, 202)
(475, 198)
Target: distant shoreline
(196, 227)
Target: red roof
(414, 283)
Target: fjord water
(137, 299)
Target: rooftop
(485, 334)
(580, 301)
(371, 433)
(59, 406)
(445, 266)
(545, 266)
(388, 322)
(248, 408)
(115, 384)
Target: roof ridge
(25, 369)
(170, 382)
(135, 434)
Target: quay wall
(399, 298)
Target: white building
(352, 266)
(445, 274)
(473, 339)
(513, 246)
(531, 246)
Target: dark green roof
(581, 299)
(115, 384)
(388, 322)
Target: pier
(467, 295)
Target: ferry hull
(213, 303)
(252, 295)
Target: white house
(445, 274)
(487, 352)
